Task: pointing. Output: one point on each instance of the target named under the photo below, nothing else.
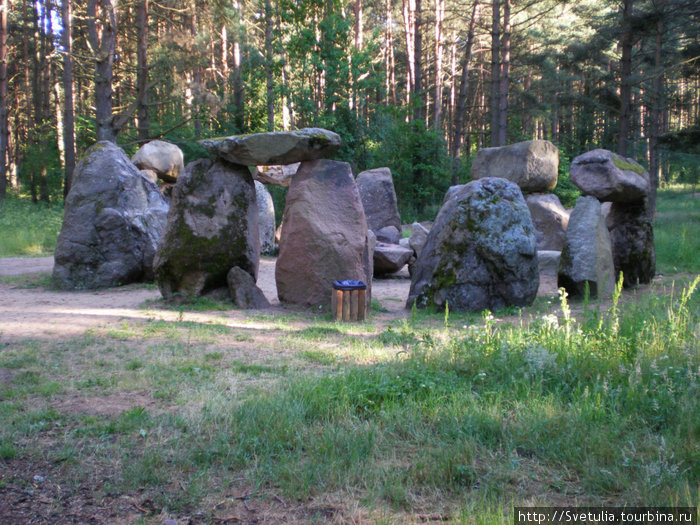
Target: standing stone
(587, 253)
(480, 252)
(550, 219)
(243, 291)
(212, 227)
(532, 165)
(114, 218)
(324, 234)
(378, 196)
(608, 176)
(548, 262)
(163, 158)
(632, 238)
(266, 219)
(419, 234)
(283, 147)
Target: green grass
(28, 229)
(461, 417)
(677, 232)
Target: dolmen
(606, 177)
(213, 237)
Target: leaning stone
(284, 147)
(532, 165)
(548, 261)
(378, 196)
(266, 219)
(480, 252)
(212, 227)
(164, 158)
(608, 176)
(390, 258)
(632, 238)
(113, 220)
(276, 175)
(587, 254)
(550, 219)
(324, 234)
(419, 234)
(243, 290)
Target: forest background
(415, 85)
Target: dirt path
(42, 313)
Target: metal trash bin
(348, 300)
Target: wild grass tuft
(28, 229)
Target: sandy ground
(41, 313)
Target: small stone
(39, 478)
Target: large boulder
(632, 238)
(608, 176)
(379, 199)
(162, 158)
(283, 147)
(390, 258)
(276, 175)
(532, 165)
(480, 253)
(266, 219)
(212, 227)
(550, 219)
(324, 234)
(587, 253)
(114, 218)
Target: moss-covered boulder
(586, 259)
(533, 165)
(212, 227)
(480, 252)
(324, 234)
(608, 176)
(632, 239)
(282, 147)
(113, 220)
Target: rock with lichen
(282, 147)
(113, 220)
(608, 176)
(632, 239)
(480, 252)
(212, 227)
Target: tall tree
(102, 38)
(495, 69)
(655, 110)
(4, 115)
(68, 107)
(505, 69)
(144, 122)
(626, 42)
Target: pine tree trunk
(439, 50)
(144, 123)
(505, 67)
(238, 118)
(495, 70)
(625, 79)
(103, 45)
(270, 91)
(418, 57)
(655, 117)
(68, 107)
(4, 123)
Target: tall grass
(28, 229)
(677, 231)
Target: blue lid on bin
(349, 285)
